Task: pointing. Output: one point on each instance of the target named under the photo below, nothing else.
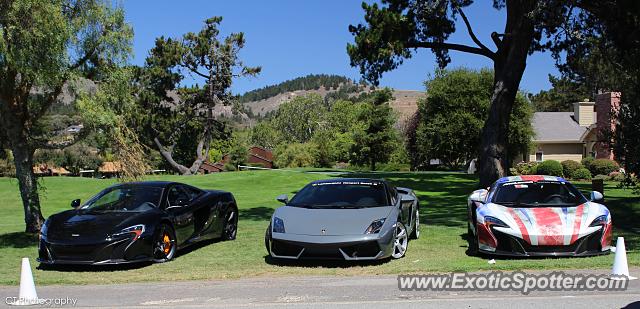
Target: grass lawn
(441, 247)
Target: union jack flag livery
(537, 215)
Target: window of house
(538, 156)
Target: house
(110, 169)
(259, 155)
(44, 169)
(208, 167)
(255, 155)
(574, 135)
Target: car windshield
(541, 193)
(341, 194)
(125, 199)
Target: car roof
(332, 180)
(154, 183)
(534, 178)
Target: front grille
(366, 249)
(508, 243)
(72, 252)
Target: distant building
(42, 170)
(255, 155)
(574, 135)
(110, 169)
(208, 167)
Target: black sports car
(135, 222)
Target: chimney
(583, 113)
(607, 108)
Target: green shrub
(603, 177)
(394, 167)
(295, 155)
(587, 162)
(524, 168)
(581, 173)
(569, 167)
(550, 167)
(229, 167)
(616, 176)
(604, 167)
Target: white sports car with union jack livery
(537, 215)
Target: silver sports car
(350, 219)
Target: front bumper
(118, 251)
(589, 245)
(348, 247)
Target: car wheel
(400, 241)
(267, 239)
(230, 229)
(472, 240)
(164, 244)
(415, 234)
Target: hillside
(269, 98)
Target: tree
(373, 144)
(44, 47)
(560, 98)
(205, 56)
(298, 119)
(450, 120)
(399, 27)
(606, 43)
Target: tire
(472, 240)
(230, 226)
(415, 234)
(267, 239)
(400, 241)
(164, 244)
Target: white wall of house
(557, 151)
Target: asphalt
(321, 292)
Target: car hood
(81, 226)
(547, 226)
(305, 221)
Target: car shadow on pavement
(322, 263)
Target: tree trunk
(23, 159)
(509, 66)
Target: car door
(203, 212)
(406, 208)
(179, 206)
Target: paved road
(321, 292)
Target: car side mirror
(596, 196)
(406, 200)
(282, 198)
(479, 195)
(75, 203)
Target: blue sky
(294, 38)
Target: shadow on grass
(322, 263)
(18, 240)
(260, 213)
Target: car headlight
(599, 221)
(493, 221)
(135, 230)
(375, 226)
(278, 225)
